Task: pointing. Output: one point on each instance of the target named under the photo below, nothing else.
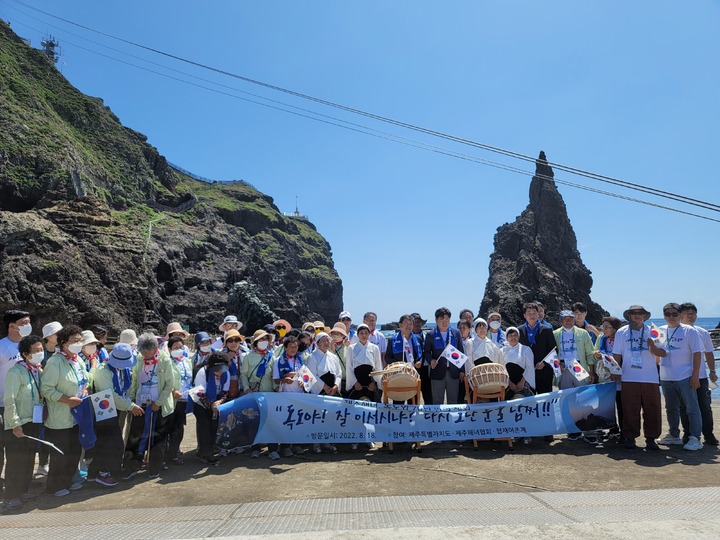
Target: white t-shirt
(8, 358)
(681, 343)
(638, 363)
(707, 343)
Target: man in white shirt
(16, 325)
(635, 352)
(688, 315)
(376, 336)
(680, 377)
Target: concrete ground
(569, 472)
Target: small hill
(96, 226)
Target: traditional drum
(400, 381)
(488, 378)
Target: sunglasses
(233, 340)
(671, 314)
(345, 319)
(280, 327)
(636, 312)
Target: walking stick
(150, 439)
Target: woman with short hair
(214, 378)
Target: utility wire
(573, 170)
(360, 128)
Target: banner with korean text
(285, 417)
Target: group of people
(156, 381)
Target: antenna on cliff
(51, 48)
(296, 205)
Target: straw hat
(258, 335)
(282, 322)
(230, 319)
(232, 333)
(339, 328)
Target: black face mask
(219, 368)
(302, 347)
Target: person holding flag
(444, 375)
(635, 351)
(603, 355)
(405, 346)
(284, 371)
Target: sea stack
(536, 258)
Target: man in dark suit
(444, 376)
(541, 341)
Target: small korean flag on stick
(552, 360)
(454, 356)
(612, 365)
(657, 334)
(576, 368)
(306, 377)
(103, 405)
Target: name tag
(145, 399)
(38, 414)
(636, 362)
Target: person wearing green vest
(256, 376)
(23, 416)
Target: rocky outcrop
(97, 227)
(536, 258)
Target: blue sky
(627, 89)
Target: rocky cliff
(536, 258)
(95, 226)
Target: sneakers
(127, 475)
(590, 439)
(76, 486)
(316, 448)
(693, 444)
(650, 444)
(574, 436)
(106, 479)
(42, 470)
(176, 461)
(274, 455)
(255, 454)
(354, 446)
(28, 497)
(712, 440)
(526, 440)
(669, 440)
(211, 461)
(329, 448)
(61, 492)
(153, 475)
(300, 449)
(371, 445)
(630, 444)
(13, 504)
(288, 452)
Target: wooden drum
(400, 381)
(488, 378)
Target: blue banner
(284, 417)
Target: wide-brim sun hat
(282, 322)
(258, 335)
(418, 317)
(635, 307)
(121, 356)
(174, 327)
(128, 336)
(339, 328)
(230, 319)
(88, 337)
(232, 333)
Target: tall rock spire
(536, 258)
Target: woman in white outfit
(326, 368)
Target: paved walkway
(662, 513)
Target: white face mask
(25, 330)
(495, 325)
(36, 358)
(177, 353)
(75, 348)
(206, 348)
(262, 345)
(90, 349)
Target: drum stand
(476, 397)
(389, 388)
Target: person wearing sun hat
(635, 351)
(346, 319)
(281, 327)
(234, 350)
(338, 345)
(230, 322)
(49, 334)
(89, 352)
(114, 375)
(256, 374)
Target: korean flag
(657, 334)
(552, 360)
(454, 356)
(305, 376)
(103, 405)
(576, 368)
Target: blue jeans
(677, 393)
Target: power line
(573, 170)
(356, 127)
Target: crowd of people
(156, 381)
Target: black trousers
(109, 449)
(2, 443)
(206, 430)
(425, 385)
(20, 455)
(176, 429)
(544, 379)
(156, 441)
(62, 467)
